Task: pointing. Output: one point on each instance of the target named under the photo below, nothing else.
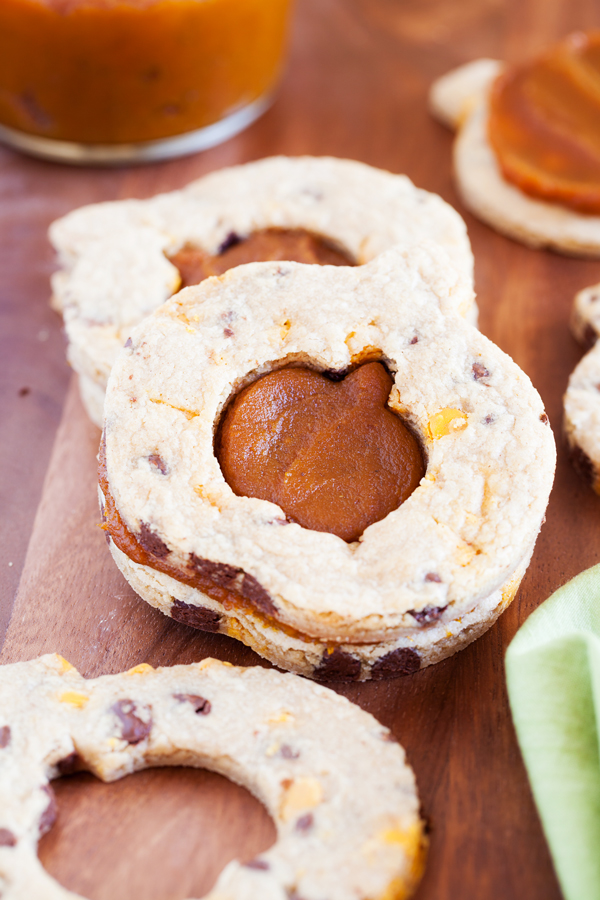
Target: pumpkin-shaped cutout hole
(160, 834)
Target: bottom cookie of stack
(437, 637)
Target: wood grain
(356, 86)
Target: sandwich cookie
(401, 462)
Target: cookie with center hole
(410, 580)
(343, 799)
(121, 260)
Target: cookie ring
(464, 533)
(113, 256)
(276, 734)
(459, 99)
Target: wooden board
(356, 86)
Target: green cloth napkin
(553, 676)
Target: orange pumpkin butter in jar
(544, 124)
(120, 80)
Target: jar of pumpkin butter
(110, 81)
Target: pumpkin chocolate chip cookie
(582, 397)
(327, 463)
(338, 788)
(121, 260)
(527, 154)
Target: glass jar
(112, 81)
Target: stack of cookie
(202, 402)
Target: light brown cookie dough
(581, 401)
(459, 539)
(459, 100)
(585, 315)
(114, 256)
(336, 784)
(453, 96)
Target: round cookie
(459, 100)
(114, 256)
(421, 582)
(582, 398)
(336, 784)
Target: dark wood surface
(356, 86)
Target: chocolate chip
(7, 838)
(228, 332)
(488, 419)
(24, 391)
(69, 764)
(230, 241)
(257, 595)
(402, 661)
(337, 666)
(201, 706)
(427, 615)
(544, 418)
(199, 617)
(305, 823)
(294, 895)
(582, 464)
(289, 753)
(414, 340)
(151, 542)
(480, 371)
(157, 462)
(589, 337)
(335, 374)
(313, 192)
(4, 736)
(48, 817)
(433, 576)
(234, 579)
(220, 573)
(133, 728)
(128, 343)
(260, 864)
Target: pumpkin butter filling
(327, 450)
(544, 124)
(263, 245)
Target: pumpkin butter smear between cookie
(327, 450)
(544, 124)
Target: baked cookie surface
(581, 401)
(461, 538)
(460, 100)
(336, 784)
(114, 256)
